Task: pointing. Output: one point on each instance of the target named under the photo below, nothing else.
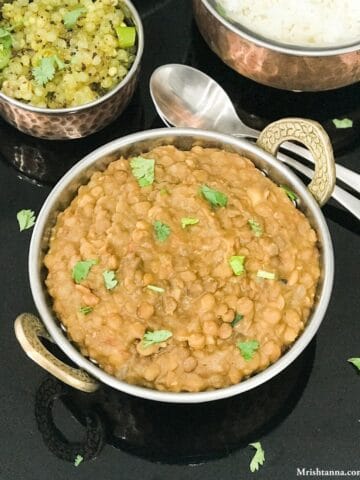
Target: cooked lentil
(93, 61)
(224, 327)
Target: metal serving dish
(77, 122)
(281, 66)
(28, 328)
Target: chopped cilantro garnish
(355, 361)
(26, 219)
(110, 280)
(45, 71)
(126, 36)
(237, 264)
(156, 289)
(343, 123)
(158, 336)
(70, 18)
(237, 319)
(266, 275)
(81, 270)
(85, 310)
(185, 221)
(255, 227)
(248, 348)
(78, 460)
(259, 457)
(162, 231)
(5, 47)
(292, 195)
(215, 198)
(143, 170)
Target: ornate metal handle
(313, 136)
(28, 329)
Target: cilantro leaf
(343, 123)
(158, 336)
(355, 362)
(85, 310)
(5, 47)
(237, 319)
(266, 275)
(81, 270)
(248, 348)
(236, 262)
(156, 289)
(70, 18)
(143, 170)
(78, 460)
(255, 227)
(185, 221)
(45, 71)
(215, 198)
(292, 195)
(26, 219)
(162, 231)
(258, 458)
(110, 280)
(126, 36)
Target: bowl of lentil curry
(67, 68)
(182, 265)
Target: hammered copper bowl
(77, 122)
(87, 375)
(281, 66)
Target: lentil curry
(182, 270)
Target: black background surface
(309, 416)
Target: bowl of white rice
(304, 45)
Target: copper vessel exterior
(81, 121)
(272, 67)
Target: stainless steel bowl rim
(279, 47)
(51, 324)
(85, 106)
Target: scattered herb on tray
(258, 458)
(343, 123)
(26, 219)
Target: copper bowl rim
(279, 47)
(56, 111)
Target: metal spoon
(186, 97)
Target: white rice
(317, 23)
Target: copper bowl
(77, 122)
(281, 66)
